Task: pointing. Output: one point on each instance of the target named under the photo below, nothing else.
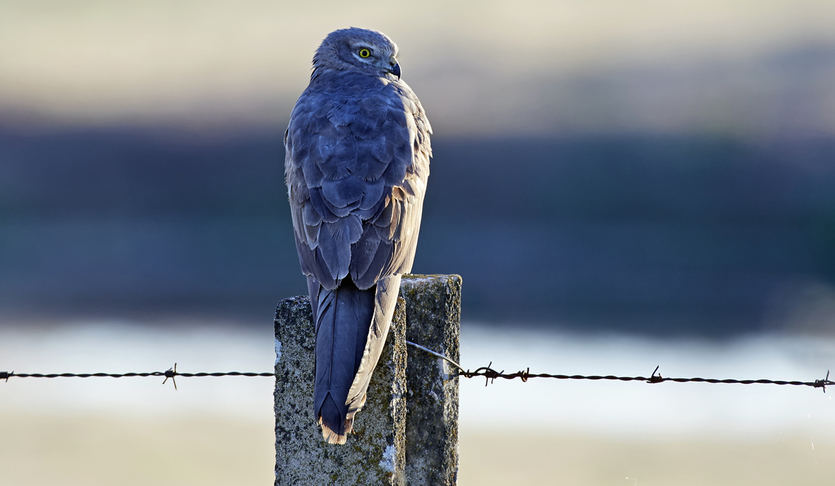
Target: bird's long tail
(351, 329)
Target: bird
(357, 152)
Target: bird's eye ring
(364, 52)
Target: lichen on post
(433, 320)
(408, 430)
(375, 452)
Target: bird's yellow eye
(364, 52)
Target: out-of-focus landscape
(620, 185)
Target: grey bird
(356, 166)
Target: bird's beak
(394, 68)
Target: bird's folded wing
(356, 172)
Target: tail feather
(385, 299)
(342, 316)
(330, 415)
(351, 329)
(330, 436)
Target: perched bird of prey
(356, 165)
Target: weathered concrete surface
(375, 452)
(400, 436)
(433, 320)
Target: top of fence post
(375, 452)
(398, 438)
(433, 320)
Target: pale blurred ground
(218, 431)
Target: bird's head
(356, 49)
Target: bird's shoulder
(343, 96)
(331, 89)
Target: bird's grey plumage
(356, 165)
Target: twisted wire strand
(487, 372)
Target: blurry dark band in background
(663, 234)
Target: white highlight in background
(602, 408)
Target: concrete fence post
(400, 436)
(433, 320)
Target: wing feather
(356, 170)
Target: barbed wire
(490, 376)
(487, 372)
(169, 374)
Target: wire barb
(822, 384)
(171, 373)
(4, 375)
(655, 377)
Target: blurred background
(619, 184)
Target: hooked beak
(394, 68)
